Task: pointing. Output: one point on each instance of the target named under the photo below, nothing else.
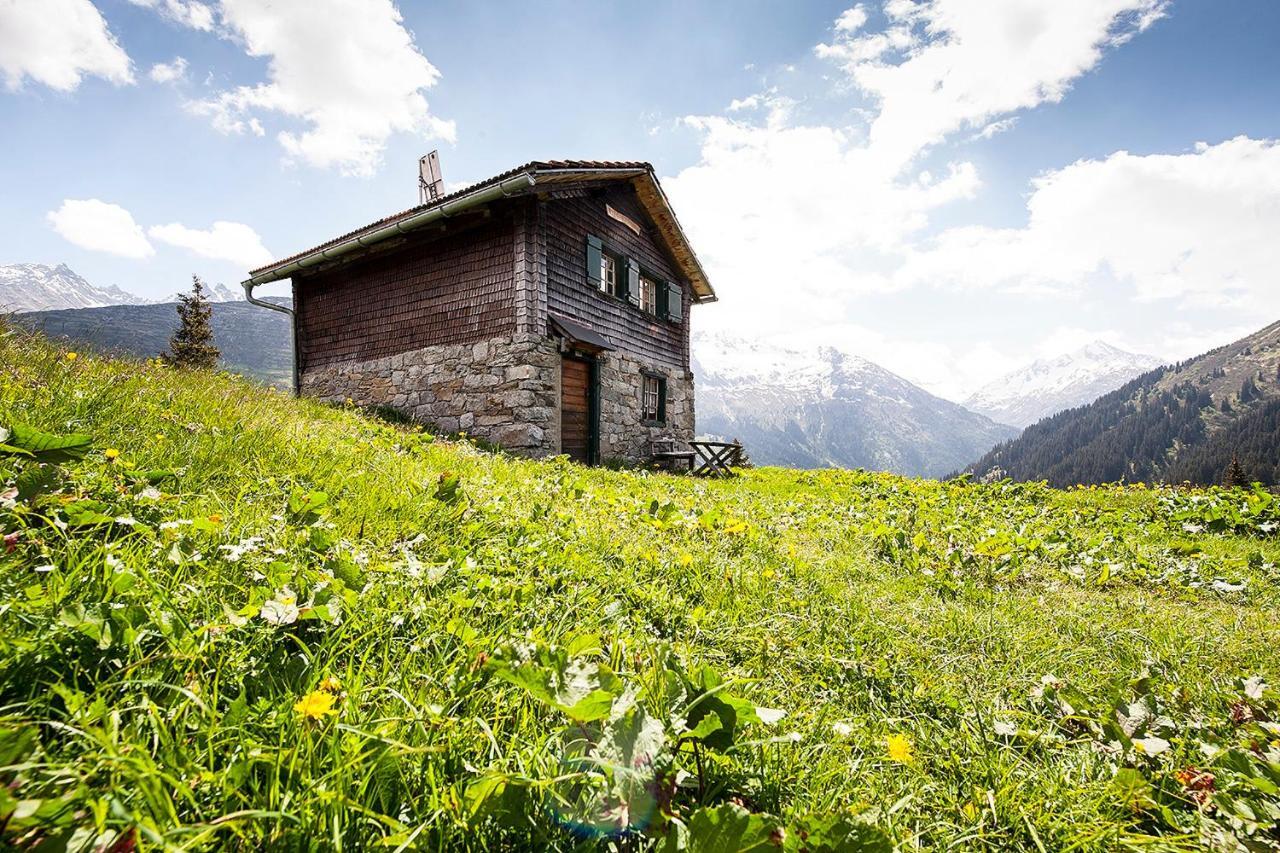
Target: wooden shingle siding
(437, 289)
(566, 224)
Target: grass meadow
(234, 620)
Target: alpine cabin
(545, 310)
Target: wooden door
(575, 409)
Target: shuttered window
(648, 294)
(609, 274)
(674, 302)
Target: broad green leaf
(48, 447)
(727, 828)
(834, 833)
(582, 689)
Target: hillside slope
(821, 408)
(1183, 422)
(253, 340)
(243, 621)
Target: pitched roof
(517, 181)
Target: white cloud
(779, 208)
(188, 13)
(348, 69)
(946, 65)
(851, 20)
(57, 43)
(101, 227)
(1198, 227)
(233, 242)
(169, 72)
(800, 219)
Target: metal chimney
(430, 184)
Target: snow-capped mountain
(1048, 386)
(38, 287)
(820, 407)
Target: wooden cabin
(545, 309)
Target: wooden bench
(666, 453)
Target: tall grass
(254, 550)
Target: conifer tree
(192, 345)
(1235, 477)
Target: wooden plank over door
(575, 409)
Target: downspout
(293, 327)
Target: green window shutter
(674, 301)
(594, 252)
(633, 282)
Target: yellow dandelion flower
(768, 574)
(316, 705)
(111, 453)
(215, 518)
(331, 684)
(901, 749)
(72, 356)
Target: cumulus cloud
(101, 227)
(169, 72)
(805, 211)
(1197, 227)
(796, 219)
(347, 69)
(947, 65)
(57, 43)
(188, 13)
(233, 242)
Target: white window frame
(648, 294)
(608, 274)
(651, 397)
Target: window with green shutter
(595, 255)
(673, 304)
(632, 282)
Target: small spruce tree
(1235, 476)
(192, 345)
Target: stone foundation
(506, 390)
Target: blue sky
(941, 186)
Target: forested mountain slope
(1183, 422)
(253, 340)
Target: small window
(608, 274)
(648, 294)
(654, 398)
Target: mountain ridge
(39, 287)
(820, 407)
(1182, 422)
(1047, 386)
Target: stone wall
(624, 436)
(505, 390)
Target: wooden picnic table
(716, 457)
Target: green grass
(150, 663)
